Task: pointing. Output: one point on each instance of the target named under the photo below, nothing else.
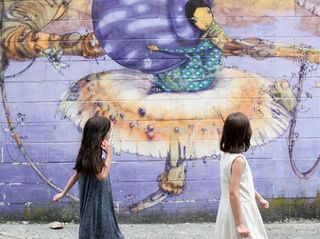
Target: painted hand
(314, 56)
(153, 48)
(58, 197)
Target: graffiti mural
(166, 73)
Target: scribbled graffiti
(166, 73)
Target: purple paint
(125, 28)
(52, 142)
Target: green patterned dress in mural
(196, 74)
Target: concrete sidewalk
(292, 230)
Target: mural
(166, 73)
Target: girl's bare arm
(73, 179)
(236, 172)
(103, 175)
(257, 196)
(261, 201)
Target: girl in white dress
(238, 214)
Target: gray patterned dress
(97, 216)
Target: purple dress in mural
(126, 27)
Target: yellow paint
(78, 15)
(80, 9)
(272, 5)
(284, 50)
(203, 18)
(256, 7)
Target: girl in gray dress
(97, 216)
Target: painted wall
(68, 60)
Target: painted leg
(171, 181)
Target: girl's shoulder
(232, 156)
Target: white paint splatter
(2, 153)
(14, 184)
(117, 207)
(181, 201)
(142, 8)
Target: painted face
(203, 18)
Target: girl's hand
(243, 231)
(263, 203)
(105, 145)
(58, 196)
(153, 48)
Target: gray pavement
(292, 230)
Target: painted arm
(237, 168)
(258, 48)
(262, 49)
(216, 35)
(202, 47)
(24, 39)
(73, 179)
(103, 175)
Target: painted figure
(204, 59)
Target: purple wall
(51, 141)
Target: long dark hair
(236, 134)
(191, 7)
(89, 160)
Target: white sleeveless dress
(225, 226)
